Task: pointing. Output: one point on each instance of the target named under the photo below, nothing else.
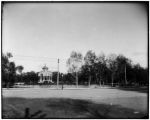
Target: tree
(8, 70)
(12, 72)
(112, 65)
(30, 77)
(122, 64)
(20, 69)
(100, 68)
(90, 59)
(84, 74)
(74, 64)
(141, 75)
(5, 63)
(5, 71)
(9, 55)
(68, 78)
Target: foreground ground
(74, 103)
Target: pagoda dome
(45, 68)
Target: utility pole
(58, 75)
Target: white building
(45, 75)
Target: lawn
(77, 103)
(63, 108)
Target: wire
(35, 57)
(45, 58)
(34, 60)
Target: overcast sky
(47, 31)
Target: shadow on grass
(136, 89)
(63, 108)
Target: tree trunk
(103, 83)
(112, 79)
(76, 79)
(100, 81)
(8, 82)
(89, 80)
(96, 79)
(125, 76)
(21, 77)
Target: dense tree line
(113, 69)
(90, 69)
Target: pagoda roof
(45, 67)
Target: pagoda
(45, 75)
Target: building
(45, 75)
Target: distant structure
(45, 75)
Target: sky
(39, 33)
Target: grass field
(74, 103)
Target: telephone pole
(58, 75)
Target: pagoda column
(51, 78)
(43, 79)
(48, 79)
(40, 78)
